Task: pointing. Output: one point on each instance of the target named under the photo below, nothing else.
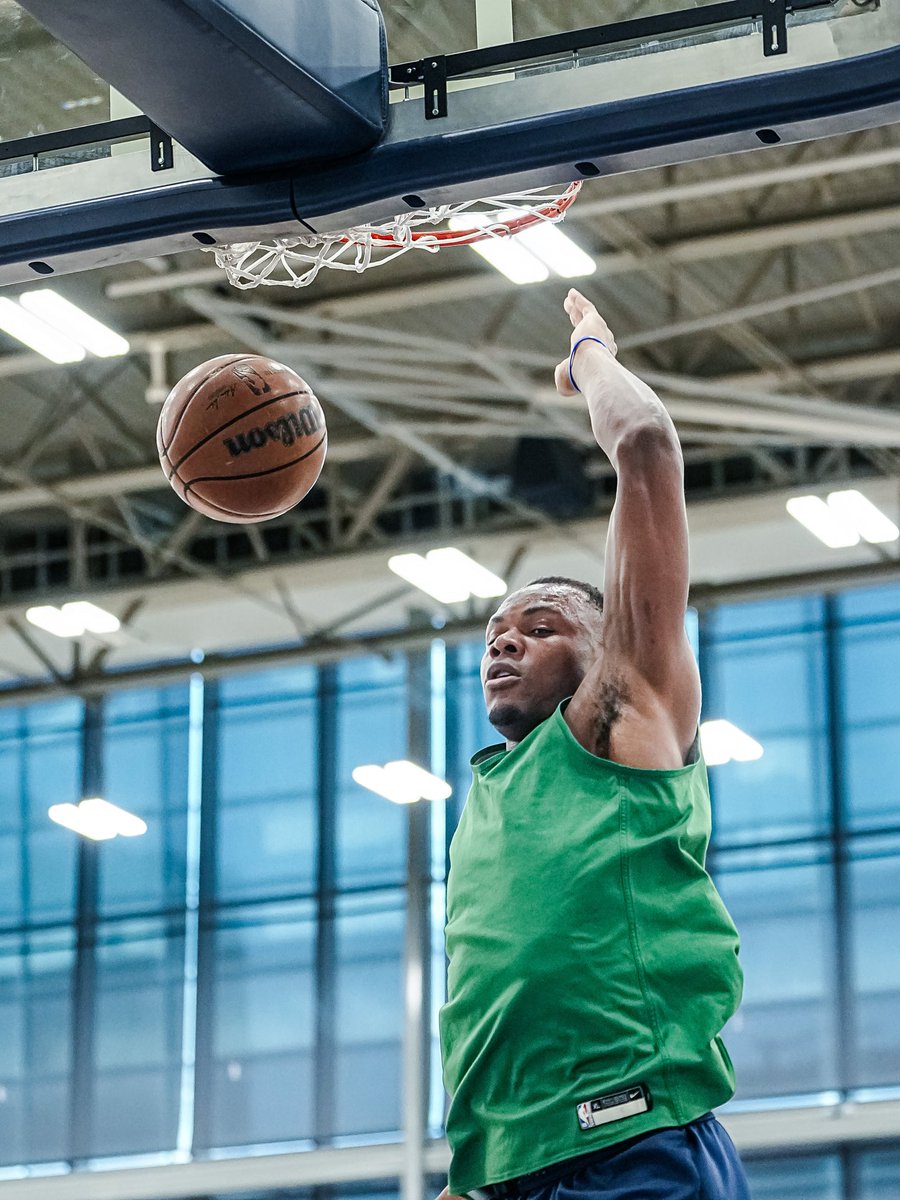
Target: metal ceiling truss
(414, 415)
(42, 563)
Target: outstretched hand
(586, 322)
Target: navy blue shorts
(692, 1162)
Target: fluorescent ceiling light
(504, 252)
(823, 521)
(374, 778)
(416, 778)
(723, 742)
(529, 256)
(100, 813)
(92, 617)
(415, 570)
(71, 816)
(402, 782)
(53, 620)
(37, 334)
(74, 323)
(846, 517)
(556, 250)
(447, 574)
(450, 563)
(858, 511)
(512, 259)
(97, 819)
(73, 619)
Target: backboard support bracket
(103, 133)
(774, 23)
(434, 76)
(162, 154)
(434, 71)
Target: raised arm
(647, 564)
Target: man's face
(541, 642)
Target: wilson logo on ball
(286, 430)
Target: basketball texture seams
(221, 428)
(264, 471)
(170, 418)
(249, 431)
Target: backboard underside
(574, 105)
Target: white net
(296, 261)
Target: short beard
(513, 722)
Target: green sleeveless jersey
(592, 962)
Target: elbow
(650, 445)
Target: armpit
(611, 700)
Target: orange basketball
(241, 438)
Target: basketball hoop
(296, 261)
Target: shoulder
(617, 715)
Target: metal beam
(37, 651)
(416, 1059)
(348, 397)
(706, 189)
(844, 423)
(763, 308)
(368, 511)
(742, 336)
(848, 368)
(238, 320)
(147, 479)
(883, 428)
(819, 1126)
(840, 428)
(334, 649)
(146, 546)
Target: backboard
(484, 96)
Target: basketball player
(592, 962)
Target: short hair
(592, 594)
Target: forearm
(623, 409)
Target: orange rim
(465, 237)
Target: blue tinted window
(872, 775)
(40, 765)
(795, 1178)
(267, 773)
(692, 628)
(145, 771)
(875, 922)
(35, 1049)
(870, 660)
(470, 729)
(772, 687)
(369, 1013)
(137, 1038)
(861, 604)
(783, 1037)
(766, 617)
(263, 1026)
(879, 1174)
(372, 728)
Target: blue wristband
(572, 357)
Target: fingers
(576, 306)
(581, 310)
(561, 379)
